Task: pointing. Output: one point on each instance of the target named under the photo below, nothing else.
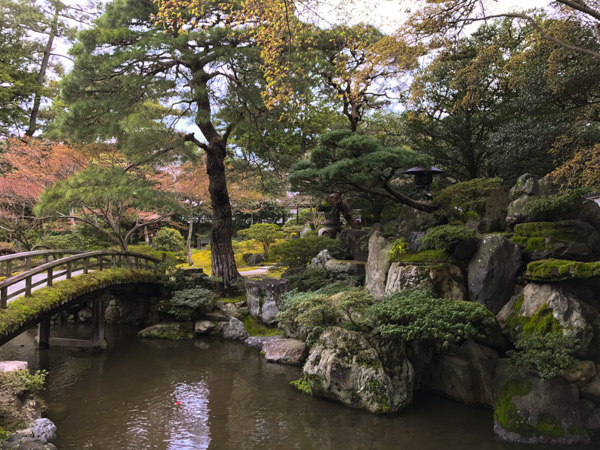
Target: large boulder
(285, 351)
(446, 280)
(567, 239)
(466, 376)
(352, 240)
(492, 272)
(319, 261)
(378, 263)
(543, 307)
(531, 410)
(234, 330)
(263, 298)
(253, 259)
(370, 374)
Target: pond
(211, 393)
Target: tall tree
(126, 61)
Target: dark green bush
(556, 206)
(190, 304)
(169, 240)
(551, 353)
(465, 200)
(299, 252)
(445, 237)
(420, 315)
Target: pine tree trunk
(223, 261)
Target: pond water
(210, 393)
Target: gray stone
(133, 310)
(216, 316)
(582, 374)
(492, 272)
(27, 443)
(342, 270)
(253, 259)
(285, 351)
(378, 263)
(591, 391)
(258, 341)
(410, 219)
(44, 429)
(414, 240)
(530, 410)
(230, 310)
(112, 315)
(203, 327)
(467, 376)
(352, 239)
(590, 414)
(445, 280)
(235, 330)
(11, 366)
(263, 298)
(373, 375)
(590, 213)
(318, 262)
(85, 315)
(527, 184)
(168, 330)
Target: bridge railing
(17, 262)
(84, 262)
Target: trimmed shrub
(298, 252)
(556, 206)
(465, 200)
(420, 315)
(190, 304)
(446, 236)
(169, 240)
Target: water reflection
(212, 394)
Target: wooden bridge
(25, 272)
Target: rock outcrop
(263, 298)
(285, 351)
(370, 374)
(446, 280)
(378, 263)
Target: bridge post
(3, 297)
(98, 342)
(8, 268)
(44, 332)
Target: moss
(303, 385)
(574, 429)
(505, 411)
(549, 270)
(540, 236)
(426, 257)
(380, 395)
(548, 426)
(239, 299)
(257, 329)
(541, 322)
(44, 300)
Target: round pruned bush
(446, 237)
(190, 304)
(169, 240)
(298, 253)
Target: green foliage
(551, 353)
(20, 382)
(399, 247)
(298, 253)
(540, 236)
(265, 233)
(257, 329)
(462, 201)
(169, 240)
(505, 411)
(291, 228)
(350, 162)
(446, 236)
(189, 304)
(306, 315)
(556, 206)
(302, 385)
(419, 314)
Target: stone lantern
(423, 179)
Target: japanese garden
(299, 224)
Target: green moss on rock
(549, 426)
(541, 236)
(548, 270)
(424, 257)
(505, 411)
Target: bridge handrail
(7, 260)
(84, 257)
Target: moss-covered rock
(534, 411)
(173, 331)
(551, 270)
(345, 366)
(568, 239)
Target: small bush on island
(18, 384)
(265, 233)
(446, 236)
(420, 315)
(189, 304)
